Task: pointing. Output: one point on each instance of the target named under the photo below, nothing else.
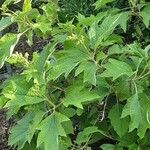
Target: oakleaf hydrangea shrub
(94, 92)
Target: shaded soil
(4, 130)
(38, 44)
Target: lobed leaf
(133, 109)
(50, 130)
(77, 95)
(7, 45)
(119, 125)
(116, 68)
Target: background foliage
(89, 88)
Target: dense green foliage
(92, 94)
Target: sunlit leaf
(50, 130)
(116, 68)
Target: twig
(104, 109)
(140, 77)
(103, 116)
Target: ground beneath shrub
(4, 130)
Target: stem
(135, 86)
(58, 88)
(144, 69)
(140, 77)
(8, 10)
(132, 4)
(49, 102)
(103, 116)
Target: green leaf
(128, 139)
(65, 143)
(47, 52)
(119, 125)
(22, 93)
(102, 87)
(32, 71)
(107, 147)
(72, 55)
(27, 5)
(44, 56)
(100, 33)
(123, 20)
(5, 22)
(112, 39)
(50, 10)
(3, 101)
(86, 21)
(84, 135)
(116, 68)
(42, 25)
(25, 129)
(79, 111)
(101, 3)
(146, 15)
(133, 109)
(37, 68)
(89, 68)
(146, 18)
(77, 95)
(68, 127)
(30, 146)
(50, 130)
(123, 89)
(100, 56)
(144, 100)
(18, 59)
(36, 119)
(7, 45)
(133, 147)
(19, 132)
(69, 112)
(116, 49)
